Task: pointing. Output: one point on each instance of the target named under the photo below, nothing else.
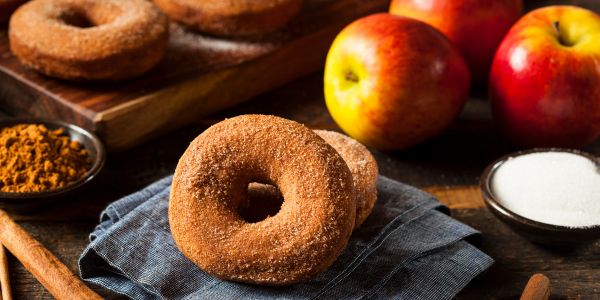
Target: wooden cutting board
(200, 75)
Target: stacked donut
(326, 181)
(89, 39)
(231, 17)
(110, 40)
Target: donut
(211, 180)
(265, 200)
(231, 17)
(7, 7)
(363, 167)
(85, 40)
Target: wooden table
(448, 166)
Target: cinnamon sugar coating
(363, 167)
(89, 39)
(264, 200)
(231, 17)
(211, 181)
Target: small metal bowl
(535, 231)
(29, 200)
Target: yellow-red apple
(392, 82)
(545, 79)
(476, 27)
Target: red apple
(476, 27)
(392, 82)
(545, 79)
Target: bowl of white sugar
(550, 196)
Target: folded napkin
(407, 249)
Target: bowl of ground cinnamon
(42, 160)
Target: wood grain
(458, 197)
(199, 76)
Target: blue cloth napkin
(408, 248)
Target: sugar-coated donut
(231, 17)
(211, 180)
(264, 200)
(363, 167)
(7, 7)
(89, 39)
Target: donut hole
(87, 18)
(263, 201)
(77, 18)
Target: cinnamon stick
(4, 275)
(44, 266)
(537, 288)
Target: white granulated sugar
(556, 188)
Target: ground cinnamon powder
(34, 158)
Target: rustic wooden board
(199, 76)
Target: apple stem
(350, 76)
(560, 38)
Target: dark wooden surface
(452, 161)
(199, 75)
